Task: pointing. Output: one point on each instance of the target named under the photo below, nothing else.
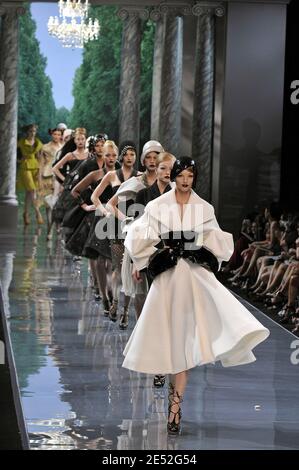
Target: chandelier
(73, 28)
(73, 8)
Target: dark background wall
(289, 186)
(250, 147)
(189, 41)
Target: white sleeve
(129, 188)
(142, 236)
(220, 243)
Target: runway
(76, 395)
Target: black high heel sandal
(113, 311)
(106, 306)
(174, 426)
(97, 295)
(110, 296)
(159, 381)
(124, 319)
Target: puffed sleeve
(129, 188)
(220, 243)
(143, 235)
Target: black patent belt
(167, 257)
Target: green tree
(62, 115)
(96, 83)
(36, 103)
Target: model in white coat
(189, 318)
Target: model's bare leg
(117, 251)
(102, 276)
(115, 284)
(181, 382)
(108, 268)
(177, 388)
(93, 270)
(29, 201)
(49, 222)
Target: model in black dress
(97, 250)
(115, 179)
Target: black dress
(144, 196)
(66, 201)
(76, 241)
(96, 246)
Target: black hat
(94, 139)
(124, 147)
(181, 164)
(100, 136)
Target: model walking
(29, 149)
(46, 191)
(189, 318)
(114, 179)
(98, 251)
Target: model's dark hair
(28, 127)
(124, 147)
(69, 146)
(50, 131)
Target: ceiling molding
(148, 3)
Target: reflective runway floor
(76, 395)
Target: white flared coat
(189, 318)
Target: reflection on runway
(76, 395)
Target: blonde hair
(80, 131)
(111, 143)
(165, 157)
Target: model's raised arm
(112, 207)
(82, 186)
(84, 183)
(95, 197)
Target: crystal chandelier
(73, 8)
(73, 28)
